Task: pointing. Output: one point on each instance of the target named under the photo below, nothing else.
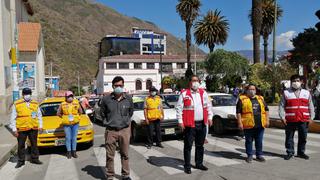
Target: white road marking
(9, 172)
(282, 131)
(275, 137)
(61, 168)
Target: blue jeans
(71, 132)
(255, 134)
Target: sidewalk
(8, 142)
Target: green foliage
(169, 81)
(75, 91)
(224, 68)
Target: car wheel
(218, 126)
(133, 137)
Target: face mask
(153, 93)
(70, 99)
(195, 85)
(252, 93)
(27, 97)
(118, 90)
(296, 85)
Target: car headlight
(84, 128)
(231, 116)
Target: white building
(150, 42)
(12, 12)
(139, 71)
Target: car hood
(168, 114)
(55, 122)
(223, 111)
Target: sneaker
(187, 170)
(69, 155)
(36, 161)
(261, 159)
(303, 156)
(249, 159)
(202, 167)
(288, 157)
(20, 164)
(160, 145)
(148, 146)
(126, 178)
(74, 154)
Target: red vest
(188, 108)
(297, 108)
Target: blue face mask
(118, 90)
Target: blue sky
(298, 14)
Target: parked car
(92, 102)
(224, 112)
(171, 99)
(169, 126)
(53, 132)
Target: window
(167, 67)
(123, 65)
(180, 65)
(147, 36)
(111, 65)
(148, 84)
(137, 65)
(150, 65)
(138, 85)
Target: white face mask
(70, 99)
(153, 93)
(27, 97)
(252, 93)
(195, 85)
(296, 85)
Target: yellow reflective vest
(153, 106)
(26, 116)
(70, 113)
(247, 116)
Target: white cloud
(284, 40)
(248, 37)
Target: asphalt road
(224, 156)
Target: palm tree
(267, 23)
(188, 11)
(256, 28)
(211, 30)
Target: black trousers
(154, 126)
(197, 134)
(302, 128)
(32, 135)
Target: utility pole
(51, 89)
(78, 84)
(274, 50)
(161, 89)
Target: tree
(211, 30)
(267, 23)
(224, 67)
(188, 11)
(74, 89)
(256, 28)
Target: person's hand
(210, 123)
(284, 121)
(310, 121)
(40, 130)
(240, 126)
(15, 134)
(181, 126)
(147, 121)
(267, 124)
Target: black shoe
(126, 178)
(202, 167)
(69, 155)
(74, 154)
(160, 145)
(249, 159)
(288, 157)
(187, 170)
(20, 164)
(148, 146)
(303, 156)
(36, 161)
(261, 159)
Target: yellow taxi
(53, 132)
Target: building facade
(140, 72)
(12, 12)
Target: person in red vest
(296, 111)
(194, 112)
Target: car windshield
(49, 109)
(171, 98)
(140, 105)
(223, 100)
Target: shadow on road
(95, 171)
(166, 161)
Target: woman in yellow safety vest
(153, 113)
(70, 111)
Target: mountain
(72, 29)
(249, 55)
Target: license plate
(169, 131)
(60, 142)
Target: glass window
(49, 109)
(223, 100)
(167, 67)
(180, 65)
(150, 66)
(123, 65)
(137, 65)
(138, 85)
(148, 84)
(111, 65)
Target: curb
(7, 151)
(314, 127)
(7, 155)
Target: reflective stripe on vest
(247, 115)
(188, 108)
(153, 108)
(68, 110)
(25, 120)
(297, 108)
